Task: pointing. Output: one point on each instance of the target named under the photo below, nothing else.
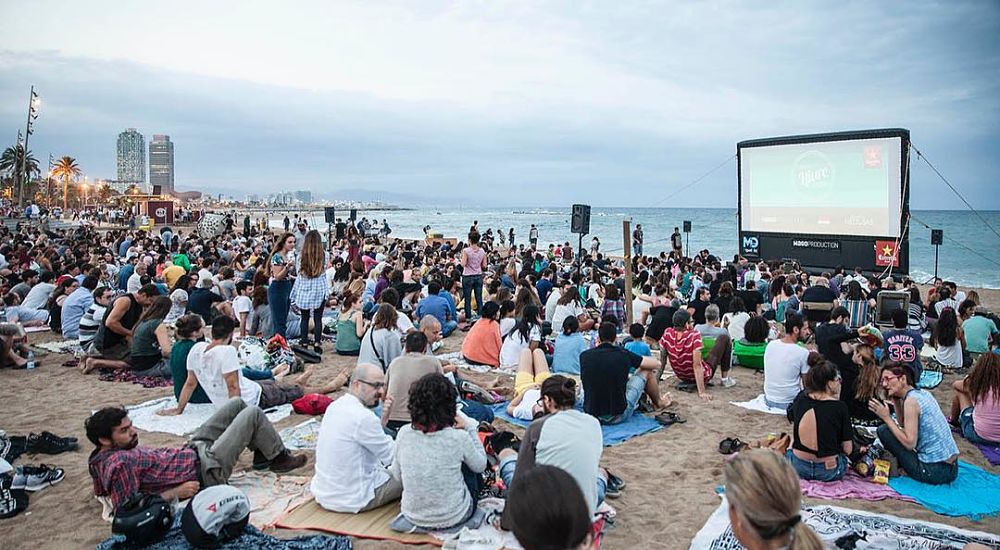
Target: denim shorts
(969, 429)
(817, 470)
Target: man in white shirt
(38, 296)
(216, 367)
(243, 306)
(353, 454)
(785, 361)
(135, 280)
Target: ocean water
(970, 255)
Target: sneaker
(49, 444)
(615, 481)
(54, 436)
(286, 462)
(728, 382)
(36, 478)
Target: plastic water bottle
(31, 360)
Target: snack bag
(881, 474)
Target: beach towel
(455, 358)
(930, 379)
(59, 346)
(144, 416)
(614, 434)
(373, 524)
(865, 530)
(251, 538)
(975, 493)
(126, 375)
(851, 486)
(301, 436)
(758, 404)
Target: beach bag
(252, 354)
(312, 404)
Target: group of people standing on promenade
(144, 301)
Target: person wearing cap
(353, 453)
(614, 379)
(120, 468)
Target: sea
(970, 255)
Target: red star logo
(887, 250)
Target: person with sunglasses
(353, 453)
(919, 437)
(822, 436)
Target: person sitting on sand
(949, 339)
(526, 335)
(569, 344)
(216, 367)
(188, 331)
(482, 345)
(381, 343)
(785, 361)
(14, 312)
(721, 355)
(439, 459)
(919, 437)
(352, 451)
(765, 503)
(822, 436)
(547, 510)
(438, 306)
(400, 376)
(611, 389)
(976, 405)
(563, 437)
(111, 346)
(120, 468)
(151, 343)
(681, 345)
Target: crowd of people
(176, 305)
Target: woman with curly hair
(439, 459)
(976, 405)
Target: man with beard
(120, 468)
(785, 361)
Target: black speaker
(330, 214)
(937, 237)
(687, 226)
(157, 189)
(580, 220)
(354, 214)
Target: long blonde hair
(868, 374)
(313, 257)
(763, 490)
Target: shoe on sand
(286, 462)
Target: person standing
(637, 239)
(533, 237)
(511, 237)
(473, 263)
(311, 289)
(280, 288)
(676, 243)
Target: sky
(503, 103)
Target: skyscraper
(161, 163)
(131, 157)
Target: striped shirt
(90, 322)
(935, 443)
(681, 346)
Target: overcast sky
(533, 103)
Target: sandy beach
(671, 474)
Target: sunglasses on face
(375, 385)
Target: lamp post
(34, 102)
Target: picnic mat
(251, 538)
(858, 529)
(758, 404)
(59, 346)
(144, 416)
(455, 358)
(975, 493)
(930, 379)
(271, 495)
(990, 451)
(301, 436)
(851, 486)
(126, 375)
(373, 524)
(613, 434)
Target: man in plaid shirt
(120, 468)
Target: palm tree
(13, 157)
(67, 168)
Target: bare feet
(86, 366)
(280, 371)
(666, 401)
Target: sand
(671, 475)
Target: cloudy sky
(533, 103)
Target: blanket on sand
(144, 416)
(301, 436)
(846, 528)
(251, 538)
(758, 404)
(614, 434)
(975, 493)
(851, 486)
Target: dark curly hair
(103, 422)
(756, 329)
(432, 403)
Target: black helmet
(143, 519)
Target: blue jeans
(278, 293)
(776, 405)
(470, 284)
(969, 429)
(817, 470)
(475, 410)
(634, 388)
(509, 463)
(934, 473)
(254, 374)
(448, 327)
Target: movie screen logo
(813, 175)
(750, 245)
(818, 244)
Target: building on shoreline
(161, 163)
(131, 158)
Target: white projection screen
(835, 187)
